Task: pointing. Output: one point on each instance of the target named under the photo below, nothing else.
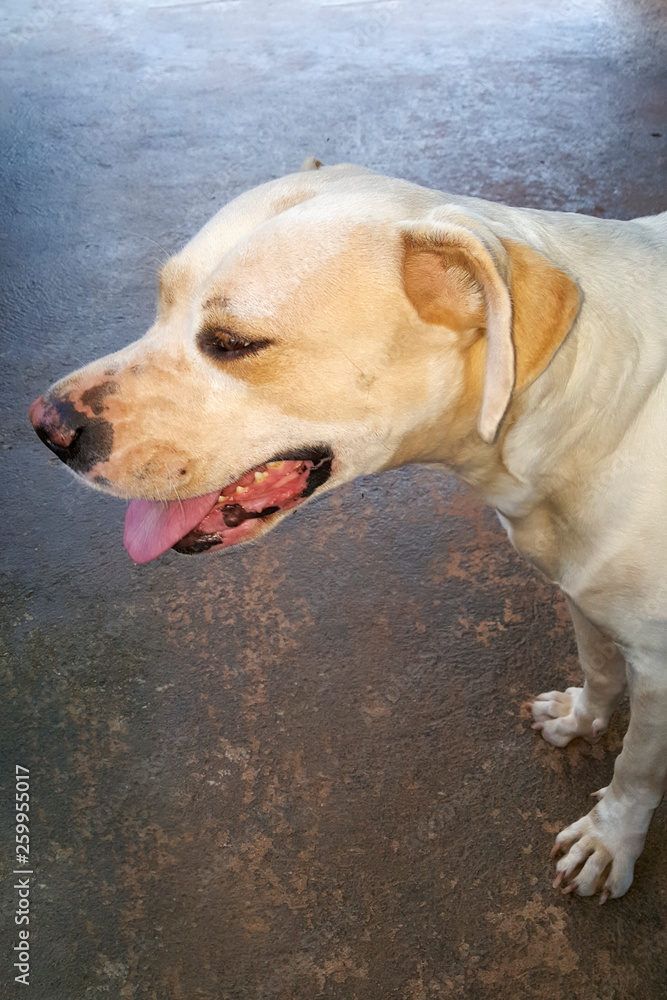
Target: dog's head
(322, 326)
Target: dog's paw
(562, 715)
(599, 850)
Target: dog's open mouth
(228, 516)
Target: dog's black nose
(78, 441)
(56, 433)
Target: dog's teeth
(274, 465)
(241, 489)
(261, 476)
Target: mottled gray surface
(301, 769)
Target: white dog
(334, 323)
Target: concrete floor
(299, 770)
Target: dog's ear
(311, 163)
(476, 284)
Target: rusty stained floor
(301, 769)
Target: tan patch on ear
(447, 285)
(311, 163)
(545, 303)
(444, 292)
(442, 289)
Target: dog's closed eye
(225, 345)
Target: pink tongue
(152, 527)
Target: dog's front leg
(600, 849)
(562, 715)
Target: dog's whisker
(164, 250)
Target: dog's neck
(549, 444)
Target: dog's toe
(562, 715)
(599, 851)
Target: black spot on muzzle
(79, 441)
